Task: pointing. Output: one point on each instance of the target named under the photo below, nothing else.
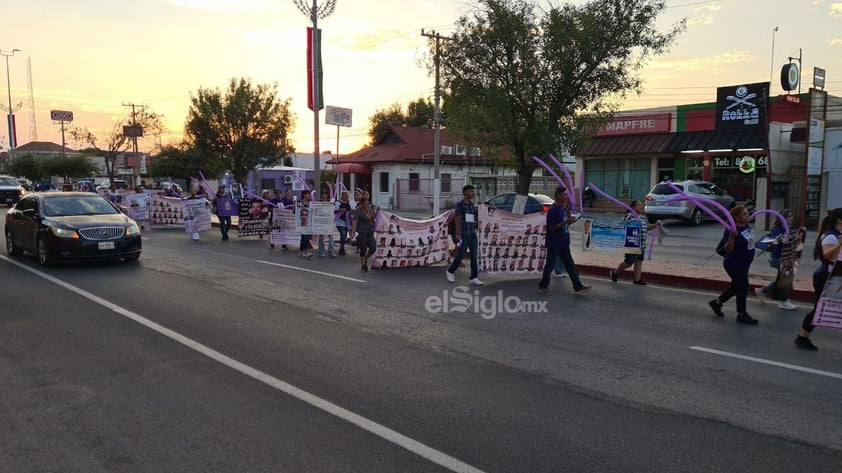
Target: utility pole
(436, 124)
(134, 132)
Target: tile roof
(41, 147)
(627, 144)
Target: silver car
(658, 208)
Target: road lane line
(418, 448)
(311, 271)
(769, 362)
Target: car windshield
(8, 181)
(70, 206)
(664, 189)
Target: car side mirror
(29, 212)
(123, 209)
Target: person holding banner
(827, 250)
(342, 213)
(364, 217)
(635, 259)
(465, 220)
(225, 206)
(330, 245)
(303, 214)
(739, 253)
(776, 247)
(558, 243)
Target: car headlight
(64, 233)
(132, 229)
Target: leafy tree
(183, 161)
(533, 79)
(69, 166)
(243, 127)
(114, 142)
(418, 113)
(26, 166)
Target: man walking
(558, 244)
(465, 221)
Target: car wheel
(696, 217)
(132, 258)
(45, 258)
(11, 248)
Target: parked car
(657, 207)
(10, 190)
(534, 202)
(70, 226)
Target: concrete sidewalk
(711, 276)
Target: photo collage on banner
(166, 211)
(829, 309)
(197, 215)
(314, 219)
(405, 243)
(510, 242)
(253, 217)
(608, 235)
(138, 206)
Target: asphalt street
(228, 356)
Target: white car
(657, 207)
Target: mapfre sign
(637, 124)
(61, 116)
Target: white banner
(166, 211)
(404, 243)
(511, 243)
(197, 215)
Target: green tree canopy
(36, 169)
(242, 127)
(421, 112)
(531, 79)
(183, 161)
(25, 166)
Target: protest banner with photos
(315, 218)
(404, 243)
(197, 215)
(511, 243)
(611, 236)
(253, 217)
(166, 211)
(829, 308)
(227, 207)
(284, 231)
(137, 205)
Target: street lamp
(11, 111)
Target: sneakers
(613, 275)
(543, 290)
(761, 296)
(744, 318)
(787, 305)
(342, 253)
(716, 306)
(805, 343)
(450, 277)
(559, 275)
(364, 268)
(582, 289)
(641, 282)
(476, 282)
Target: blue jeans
(468, 241)
(322, 244)
(558, 268)
(343, 237)
(775, 263)
(566, 258)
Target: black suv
(10, 190)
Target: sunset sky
(91, 56)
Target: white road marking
(311, 271)
(418, 448)
(769, 362)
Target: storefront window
(695, 169)
(624, 178)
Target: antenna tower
(33, 132)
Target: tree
(418, 113)
(183, 161)
(533, 80)
(69, 166)
(245, 127)
(26, 166)
(115, 141)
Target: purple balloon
(549, 170)
(776, 214)
(652, 244)
(612, 199)
(696, 200)
(569, 180)
(716, 204)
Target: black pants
(224, 225)
(819, 280)
(566, 258)
(738, 287)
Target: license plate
(106, 245)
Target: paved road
(192, 360)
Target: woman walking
(827, 250)
(364, 216)
(635, 259)
(739, 253)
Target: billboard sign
(61, 116)
(741, 106)
(338, 116)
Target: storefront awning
(628, 144)
(352, 168)
(717, 140)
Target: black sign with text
(740, 106)
(814, 193)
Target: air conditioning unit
(447, 150)
(288, 179)
(460, 150)
(475, 152)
